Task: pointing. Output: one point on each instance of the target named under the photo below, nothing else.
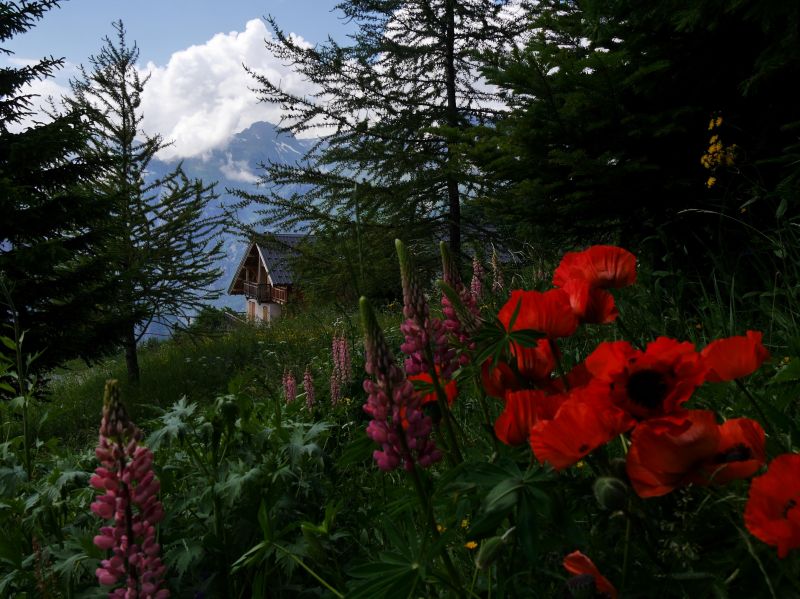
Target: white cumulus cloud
(203, 95)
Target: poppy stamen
(647, 388)
(737, 453)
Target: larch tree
(54, 287)
(166, 232)
(392, 111)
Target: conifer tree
(392, 107)
(165, 230)
(614, 106)
(54, 287)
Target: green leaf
(789, 373)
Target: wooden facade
(264, 276)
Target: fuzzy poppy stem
(454, 455)
(559, 365)
(762, 415)
(626, 548)
(626, 334)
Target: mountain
(236, 166)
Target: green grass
(199, 368)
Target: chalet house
(264, 276)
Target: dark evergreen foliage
(392, 106)
(611, 107)
(165, 231)
(53, 229)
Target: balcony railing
(265, 293)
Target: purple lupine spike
(419, 328)
(476, 285)
(308, 386)
(130, 499)
(398, 423)
(289, 386)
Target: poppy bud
(611, 493)
(491, 548)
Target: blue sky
(198, 95)
(161, 27)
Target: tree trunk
(131, 357)
(453, 195)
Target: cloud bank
(202, 96)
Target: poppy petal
(734, 357)
(577, 564)
(772, 513)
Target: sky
(198, 95)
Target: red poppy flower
(577, 378)
(450, 388)
(670, 452)
(591, 304)
(523, 409)
(734, 357)
(535, 363)
(603, 266)
(772, 513)
(498, 379)
(739, 453)
(548, 313)
(586, 275)
(663, 451)
(579, 427)
(650, 383)
(577, 564)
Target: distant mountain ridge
(237, 166)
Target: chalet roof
(274, 251)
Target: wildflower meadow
(513, 443)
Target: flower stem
(308, 569)
(757, 407)
(454, 455)
(559, 365)
(422, 495)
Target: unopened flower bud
(611, 493)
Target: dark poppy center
(737, 453)
(647, 388)
(789, 505)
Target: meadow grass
(198, 367)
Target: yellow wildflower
(711, 181)
(440, 528)
(465, 523)
(471, 545)
(718, 121)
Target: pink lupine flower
(308, 385)
(398, 423)
(498, 285)
(130, 500)
(452, 324)
(476, 285)
(341, 359)
(420, 329)
(289, 386)
(336, 387)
